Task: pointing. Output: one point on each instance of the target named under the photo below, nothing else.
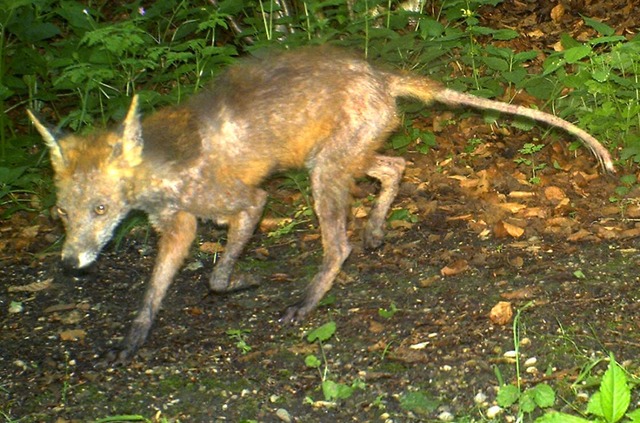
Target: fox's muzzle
(76, 261)
(70, 264)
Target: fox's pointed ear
(49, 139)
(131, 141)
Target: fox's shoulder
(171, 134)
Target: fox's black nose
(70, 264)
(71, 268)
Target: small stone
(493, 411)
(283, 415)
(525, 342)
(445, 416)
(480, 398)
(510, 354)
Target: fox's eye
(100, 209)
(61, 212)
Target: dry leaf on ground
(501, 313)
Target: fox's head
(92, 176)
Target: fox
(321, 109)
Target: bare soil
(478, 233)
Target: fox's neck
(152, 189)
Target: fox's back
(277, 113)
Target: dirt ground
(414, 332)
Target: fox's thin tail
(429, 91)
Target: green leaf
(505, 34)
(74, 13)
(555, 417)
(387, 314)
(634, 416)
(602, 28)
(508, 395)
(544, 395)
(540, 87)
(628, 179)
(575, 54)
(418, 403)
(615, 395)
(425, 142)
(607, 40)
(312, 361)
(481, 30)
(496, 63)
(430, 27)
(527, 401)
(322, 333)
(595, 405)
(601, 75)
(336, 391)
(515, 76)
(525, 55)
(621, 191)
(41, 31)
(567, 41)
(552, 64)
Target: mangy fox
(315, 108)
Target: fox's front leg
(176, 235)
(241, 227)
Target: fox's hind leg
(330, 188)
(241, 227)
(388, 170)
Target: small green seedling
(240, 336)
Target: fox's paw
(372, 238)
(238, 282)
(114, 358)
(295, 313)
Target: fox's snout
(77, 261)
(70, 263)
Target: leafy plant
(627, 182)
(240, 337)
(529, 151)
(388, 313)
(419, 403)
(408, 135)
(402, 214)
(528, 400)
(604, 85)
(539, 396)
(610, 404)
(331, 390)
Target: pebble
(445, 416)
(480, 398)
(533, 370)
(283, 415)
(493, 411)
